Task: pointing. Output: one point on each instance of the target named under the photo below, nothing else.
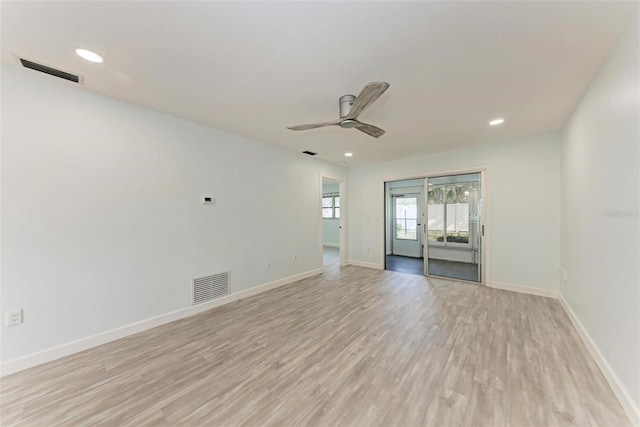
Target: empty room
(320, 213)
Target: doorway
(404, 213)
(454, 228)
(331, 224)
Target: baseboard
(618, 388)
(365, 264)
(82, 344)
(524, 289)
(331, 245)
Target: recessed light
(496, 122)
(88, 55)
(348, 154)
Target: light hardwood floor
(351, 347)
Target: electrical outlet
(14, 317)
(267, 264)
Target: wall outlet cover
(14, 317)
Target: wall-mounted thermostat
(208, 200)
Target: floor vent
(210, 287)
(48, 70)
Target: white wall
(523, 179)
(600, 231)
(102, 223)
(331, 227)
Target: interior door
(406, 225)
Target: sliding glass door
(453, 227)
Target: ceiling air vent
(48, 70)
(210, 287)
(311, 153)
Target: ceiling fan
(351, 107)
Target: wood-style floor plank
(350, 347)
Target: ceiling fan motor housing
(346, 102)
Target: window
(406, 217)
(330, 206)
(448, 214)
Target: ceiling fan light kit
(351, 107)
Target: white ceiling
(254, 68)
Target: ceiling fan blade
(368, 96)
(315, 125)
(372, 130)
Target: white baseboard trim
(331, 245)
(365, 264)
(82, 344)
(618, 388)
(524, 289)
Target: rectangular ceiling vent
(210, 287)
(51, 71)
(311, 153)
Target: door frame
(485, 255)
(342, 192)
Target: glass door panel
(406, 209)
(435, 215)
(453, 227)
(407, 238)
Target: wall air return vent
(311, 153)
(51, 71)
(210, 287)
